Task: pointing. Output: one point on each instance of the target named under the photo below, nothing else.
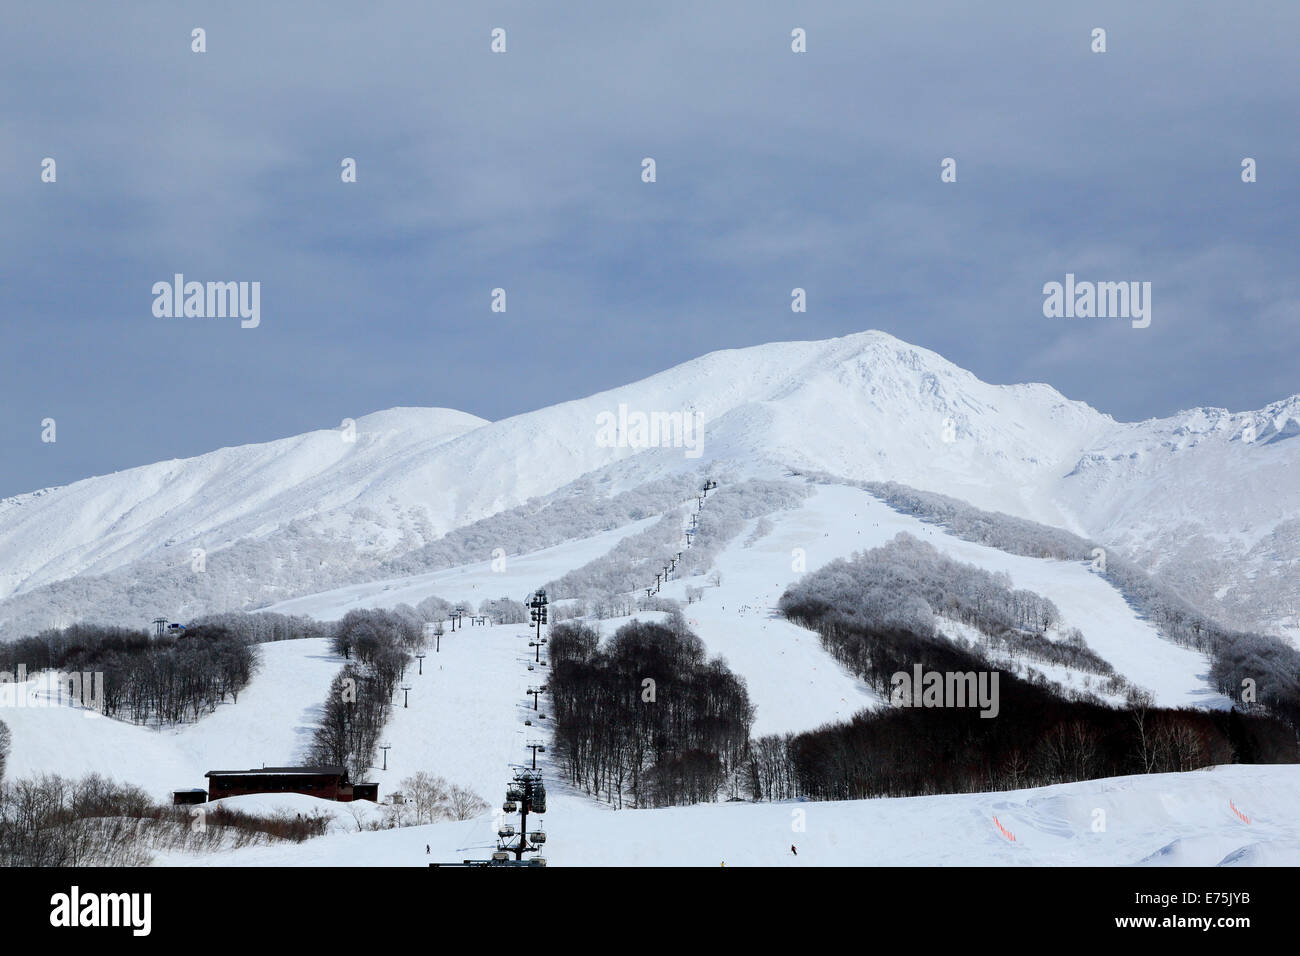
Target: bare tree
(428, 794)
(463, 803)
(4, 748)
(1139, 702)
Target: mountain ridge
(866, 406)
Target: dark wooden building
(183, 797)
(328, 783)
(365, 791)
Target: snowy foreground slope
(1156, 820)
(1207, 496)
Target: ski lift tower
(536, 746)
(538, 644)
(527, 794)
(537, 608)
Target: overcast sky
(523, 171)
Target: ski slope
(795, 685)
(465, 720)
(271, 725)
(793, 682)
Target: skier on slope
(793, 850)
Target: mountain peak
(865, 406)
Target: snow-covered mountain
(1203, 497)
(468, 715)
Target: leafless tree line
(165, 680)
(377, 645)
(54, 821)
(646, 720)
